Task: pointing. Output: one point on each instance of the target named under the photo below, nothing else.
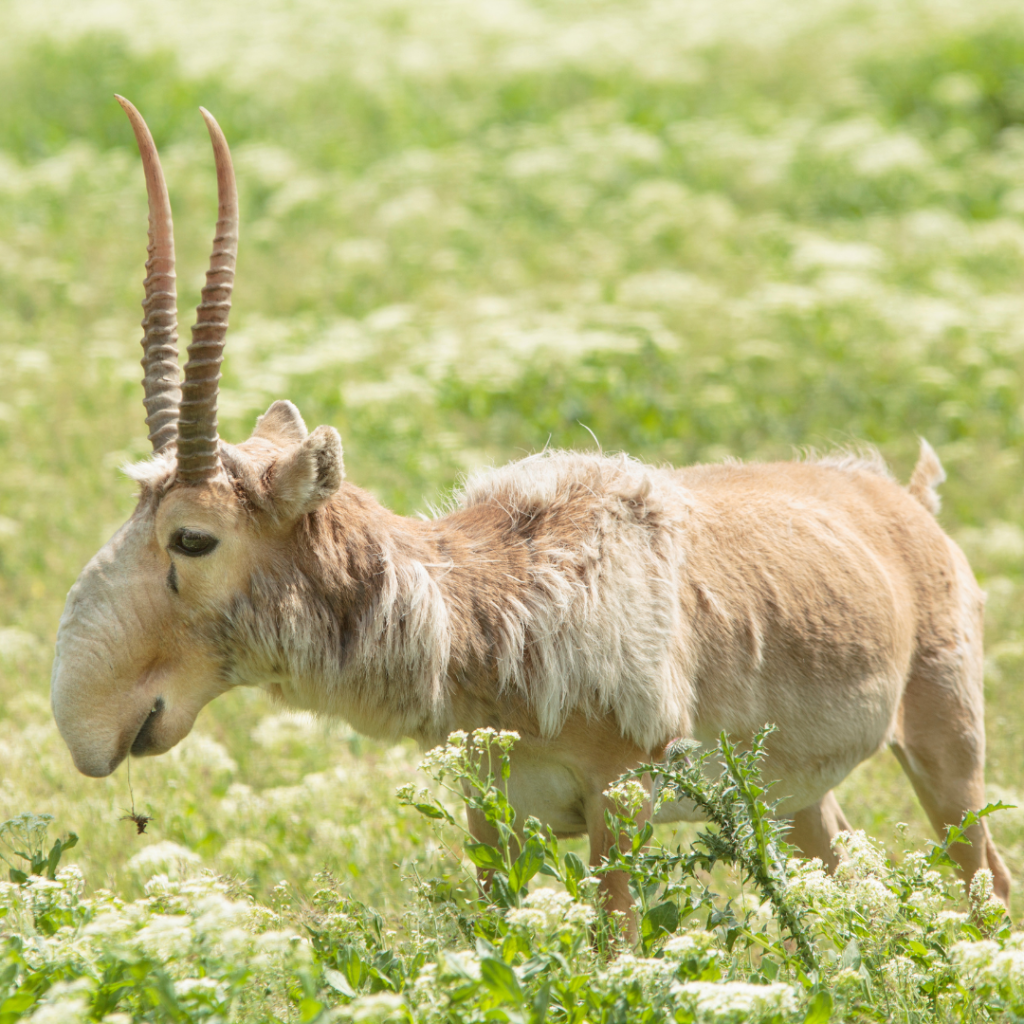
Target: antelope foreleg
(614, 887)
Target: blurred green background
(470, 229)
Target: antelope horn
(198, 460)
(160, 323)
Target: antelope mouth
(144, 743)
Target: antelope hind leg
(940, 743)
(813, 829)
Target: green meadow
(687, 230)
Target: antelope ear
(281, 423)
(307, 475)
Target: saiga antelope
(599, 606)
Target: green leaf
(819, 1009)
(309, 1010)
(660, 920)
(575, 870)
(338, 982)
(501, 894)
(434, 811)
(527, 864)
(22, 1000)
(352, 966)
(485, 856)
(851, 955)
(501, 980)
(643, 837)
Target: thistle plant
(749, 835)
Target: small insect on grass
(141, 820)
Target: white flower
(165, 857)
(65, 1011)
(486, 737)
(927, 901)
(208, 986)
(71, 877)
(872, 896)
(689, 944)
(952, 920)
(981, 887)
(735, 1000)
(628, 797)
(278, 943)
(901, 971)
(108, 925)
(447, 759)
(547, 911)
(381, 1006)
(986, 961)
(464, 964)
(166, 936)
(645, 970)
(42, 894)
(862, 855)
(11, 895)
(811, 884)
(215, 913)
(972, 957)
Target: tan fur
(599, 606)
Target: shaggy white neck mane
(556, 579)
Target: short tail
(927, 475)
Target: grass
(470, 230)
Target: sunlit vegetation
(689, 230)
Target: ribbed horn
(160, 323)
(198, 460)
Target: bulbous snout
(101, 718)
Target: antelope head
(138, 650)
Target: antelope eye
(192, 542)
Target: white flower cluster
(164, 857)
(811, 885)
(736, 1000)
(990, 963)
(690, 943)
(177, 923)
(459, 756)
(647, 971)
(862, 873)
(378, 1008)
(628, 797)
(548, 912)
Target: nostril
(143, 739)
